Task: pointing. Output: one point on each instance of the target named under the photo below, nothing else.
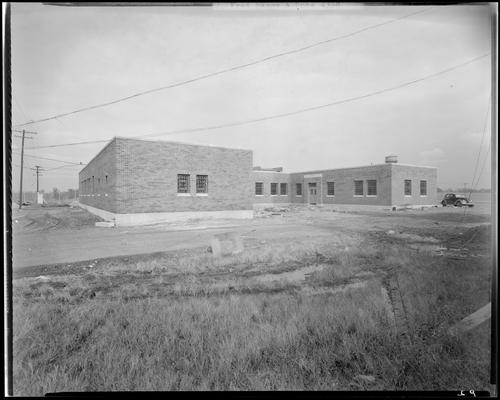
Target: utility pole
(22, 168)
(22, 164)
(37, 175)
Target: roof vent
(391, 159)
(277, 169)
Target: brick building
(138, 182)
(388, 184)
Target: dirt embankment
(52, 218)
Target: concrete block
(226, 244)
(473, 320)
(105, 224)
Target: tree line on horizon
(464, 189)
(54, 196)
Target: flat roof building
(135, 182)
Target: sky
(67, 58)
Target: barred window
(259, 188)
(283, 188)
(407, 187)
(299, 189)
(274, 188)
(372, 187)
(423, 188)
(183, 183)
(330, 188)
(201, 183)
(358, 188)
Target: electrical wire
(484, 163)
(480, 145)
(282, 115)
(49, 159)
(65, 166)
(223, 71)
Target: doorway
(312, 193)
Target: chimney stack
(391, 159)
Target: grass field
(315, 314)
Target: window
(358, 188)
(274, 189)
(93, 185)
(183, 183)
(407, 187)
(372, 187)
(330, 188)
(201, 183)
(283, 189)
(299, 189)
(259, 188)
(423, 188)
(106, 179)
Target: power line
(19, 107)
(68, 144)
(484, 163)
(66, 166)
(50, 159)
(21, 131)
(481, 145)
(18, 166)
(234, 68)
(282, 115)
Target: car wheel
(443, 203)
(459, 203)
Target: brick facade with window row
(154, 176)
(382, 184)
(130, 176)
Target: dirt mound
(65, 218)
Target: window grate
(407, 187)
(423, 188)
(283, 189)
(299, 189)
(358, 188)
(201, 183)
(274, 188)
(259, 188)
(330, 188)
(372, 187)
(182, 183)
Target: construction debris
(473, 320)
(226, 244)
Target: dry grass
(201, 323)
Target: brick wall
(138, 176)
(147, 177)
(100, 190)
(268, 177)
(344, 185)
(414, 173)
(389, 182)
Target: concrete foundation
(161, 217)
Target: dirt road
(53, 236)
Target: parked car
(457, 201)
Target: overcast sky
(65, 58)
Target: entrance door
(313, 193)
